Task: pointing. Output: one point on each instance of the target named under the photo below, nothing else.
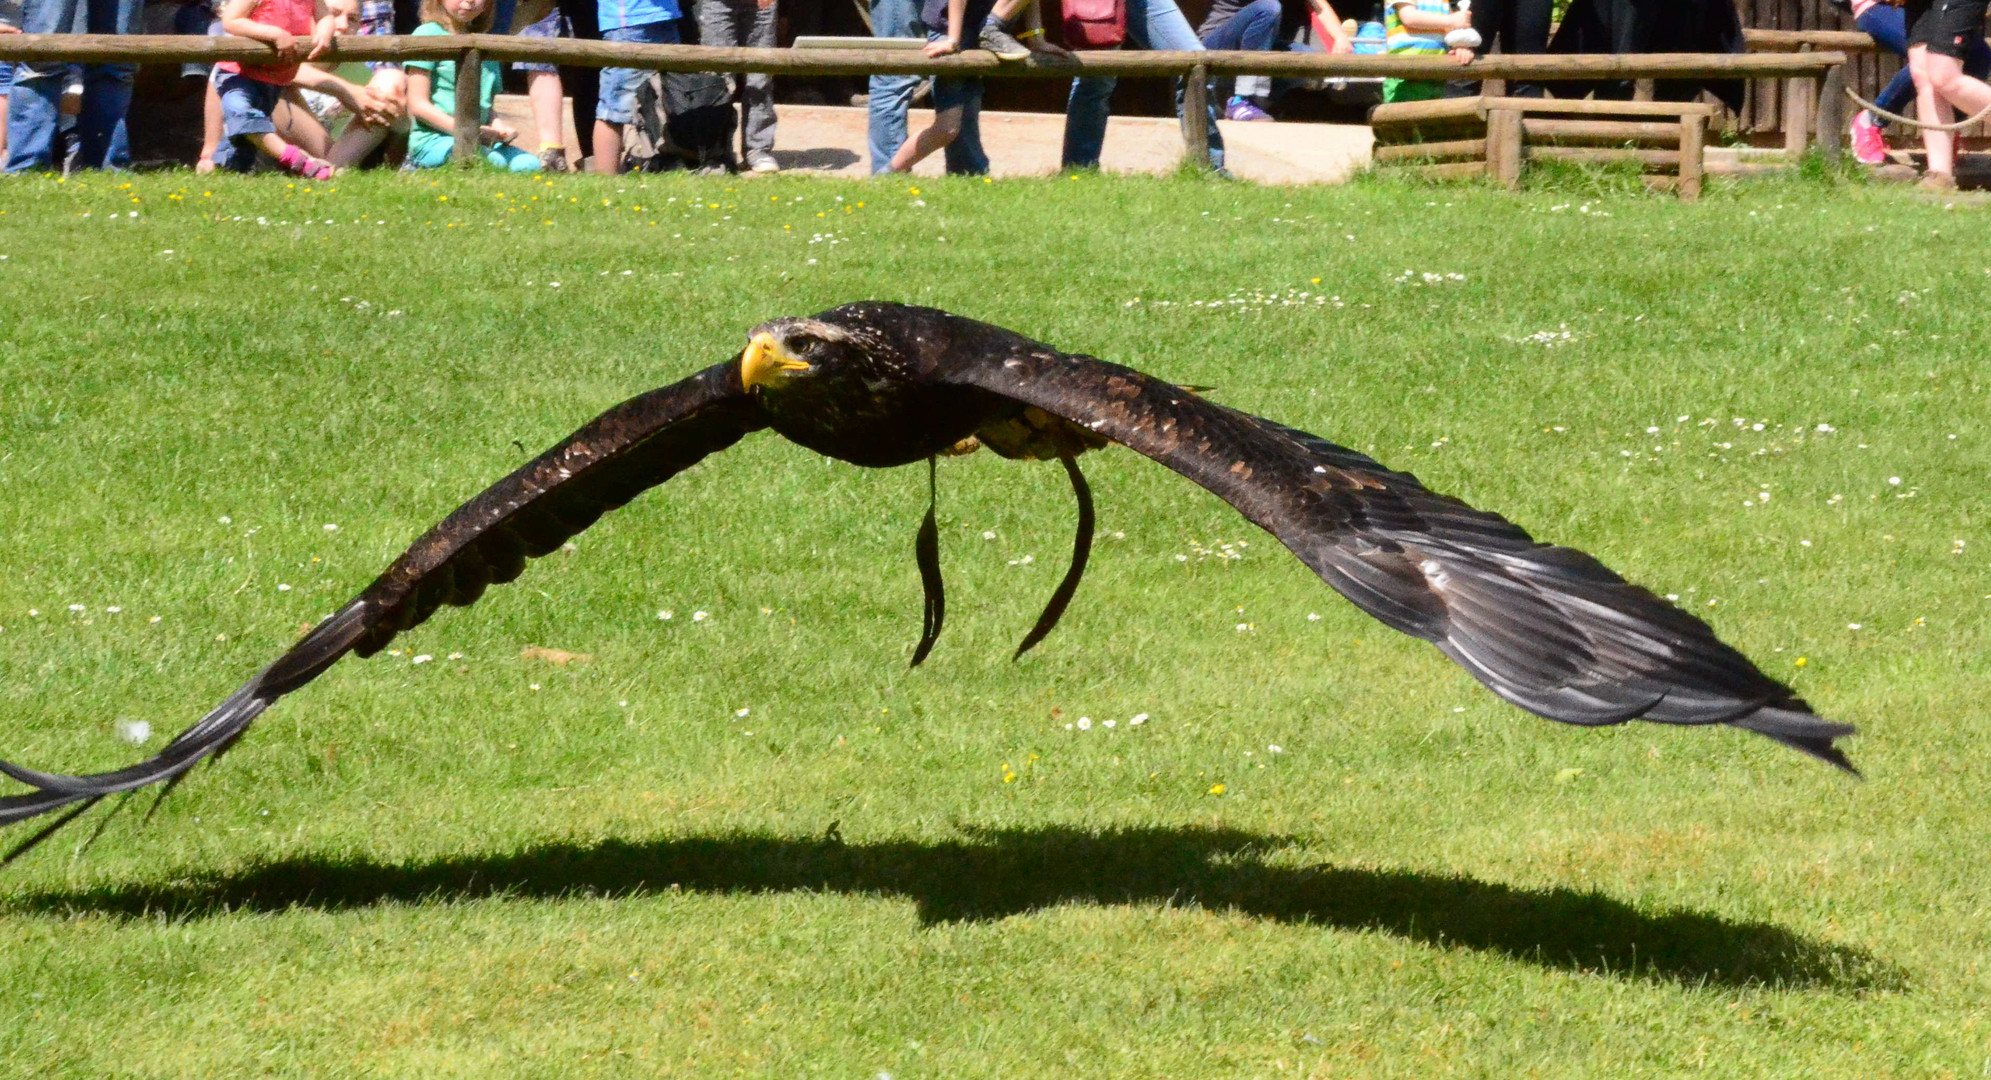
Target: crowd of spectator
(313, 119)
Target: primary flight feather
(1548, 628)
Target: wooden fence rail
(1812, 67)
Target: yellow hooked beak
(765, 359)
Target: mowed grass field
(738, 837)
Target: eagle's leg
(1081, 550)
(926, 552)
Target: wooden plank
(1848, 41)
(1693, 137)
(468, 112)
(1403, 112)
(1587, 107)
(1603, 132)
(1431, 150)
(1461, 127)
(1454, 170)
(1601, 155)
(177, 48)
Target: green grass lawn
(746, 840)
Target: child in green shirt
(432, 94)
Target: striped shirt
(1402, 41)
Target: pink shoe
(1869, 147)
(304, 165)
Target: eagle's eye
(804, 344)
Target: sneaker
(1869, 147)
(761, 161)
(1000, 42)
(554, 159)
(1937, 181)
(1243, 109)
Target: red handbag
(1095, 24)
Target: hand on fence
(321, 38)
(944, 47)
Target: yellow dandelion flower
(1800, 662)
(1216, 789)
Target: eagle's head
(809, 354)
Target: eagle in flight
(1547, 628)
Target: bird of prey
(1547, 628)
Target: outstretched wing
(1548, 628)
(621, 453)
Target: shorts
(1395, 90)
(1945, 27)
(554, 25)
(246, 105)
(618, 85)
(952, 93)
(6, 76)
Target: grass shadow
(994, 874)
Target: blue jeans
(1255, 28)
(33, 104)
(1889, 28)
(1151, 24)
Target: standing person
(544, 88)
(732, 23)
(34, 101)
(649, 22)
(1151, 24)
(1522, 26)
(249, 92)
(6, 80)
(891, 95)
(957, 103)
(1939, 36)
(1888, 26)
(432, 94)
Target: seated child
(958, 102)
(249, 93)
(432, 94)
(1421, 28)
(310, 108)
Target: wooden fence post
(1503, 147)
(1693, 141)
(469, 106)
(1196, 116)
(1832, 113)
(1797, 112)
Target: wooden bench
(1495, 136)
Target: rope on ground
(1899, 119)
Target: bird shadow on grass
(993, 874)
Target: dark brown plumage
(1547, 628)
